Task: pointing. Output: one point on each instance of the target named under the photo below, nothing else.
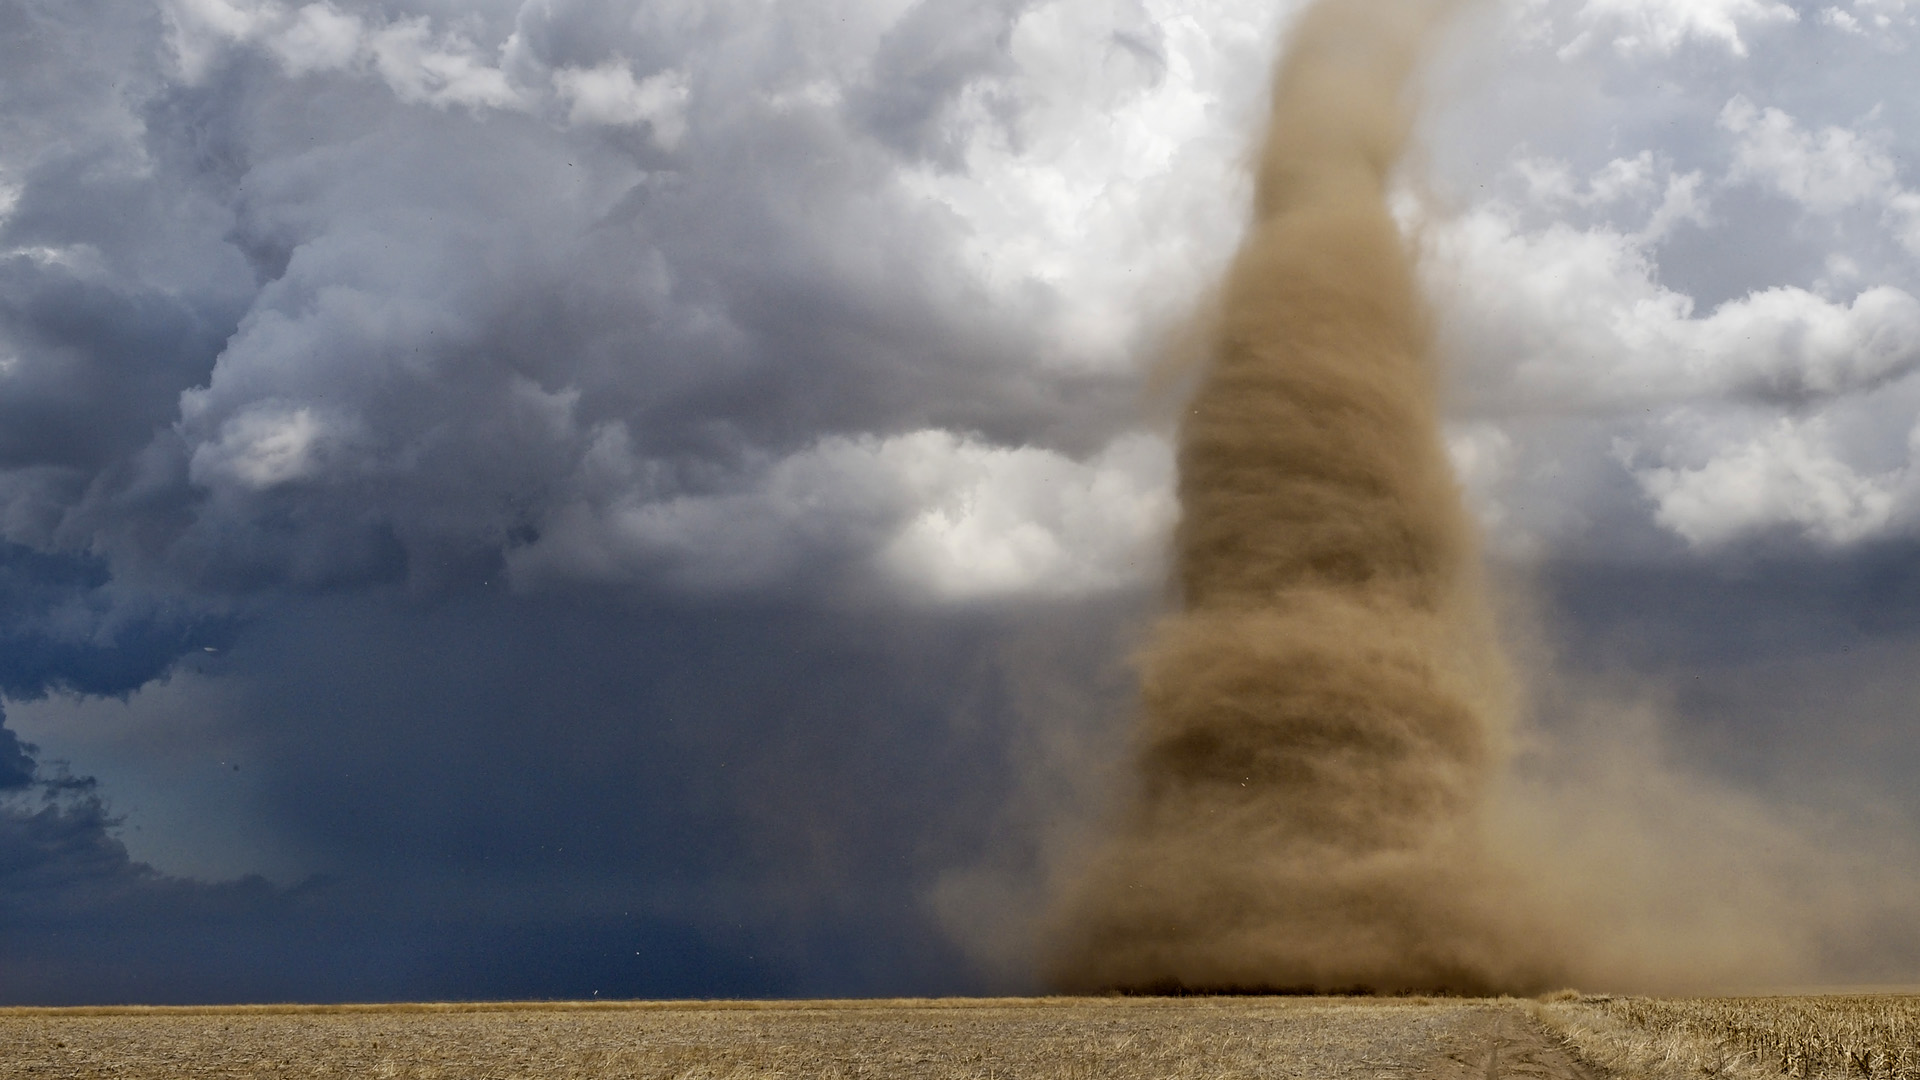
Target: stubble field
(1828, 1037)
(1565, 1038)
(1069, 1039)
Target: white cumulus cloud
(1788, 475)
(1568, 315)
(1662, 26)
(1825, 171)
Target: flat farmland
(1813, 1037)
(1065, 1038)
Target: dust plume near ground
(1324, 717)
(1338, 783)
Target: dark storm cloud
(280, 313)
(1783, 669)
(1754, 604)
(63, 629)
(100, 369)
(79, 919)
(511, 798)
(16, 762)
(755, 765)
(64, 626)
(271, 321)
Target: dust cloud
(1325, 718)
(1658, 876)
(1334, 788)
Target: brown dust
(1325, 716)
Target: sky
(545, 498)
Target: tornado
(1325, 712)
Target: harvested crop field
(1823, 1037)
(1077, 1038)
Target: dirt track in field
(1502, 1042)
(1069, 1039)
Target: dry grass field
(1568, 1037)
(1828, 1036)
(1047, 1039)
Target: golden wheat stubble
(1321, 720)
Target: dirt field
(1069, 1039)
